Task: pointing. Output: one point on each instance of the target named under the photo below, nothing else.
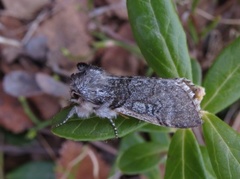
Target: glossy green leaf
(140, 158)
(36, 170)
(222, 82)
(184, 157)
(209, 169)
(160, 37)
(223, 147)
(196, 72)
(93, 128)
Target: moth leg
(114, 127)
(70, 114)
(105, 112)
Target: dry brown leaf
(24, 9)
(11, 53)
(12, 116)
(9, 26)
(20, 83)
(37, 49)
(52, 87)
(121, 12)
(46, 106)
(67, 29)
(119, 61)
(83, 168)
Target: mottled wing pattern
(167, 102)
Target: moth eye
(74, 95)
(82, 67)
(72, 76)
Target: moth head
(86, 81)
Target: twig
(7, 41)
(35, 24)
(40, 18)
(105, 147)
(222, 21)
(231, 112)
(115, 35)
(95, 163)
(13, 150)
(198, 135)
(104, 9)
(236, 124)
(47, 147)
(77, 160)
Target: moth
(164, 102)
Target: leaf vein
(228, 151)
(221, 86)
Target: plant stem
(28, 110)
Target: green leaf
(223, 147)
(194, 5)
(160, 37)
(161, 138)
(210, 27)
(222, 82)
(193, 31)
(184, 157)
(196, 72)
(129, 141)
(93, 128)
(15, 139)
(209, 169)
(36, 170)
(154, 173)
(155, 128)
(140, 158)
(126, 142)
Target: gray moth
(164, 102)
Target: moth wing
(127, 112)
(167, 102)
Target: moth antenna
(114, 127)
